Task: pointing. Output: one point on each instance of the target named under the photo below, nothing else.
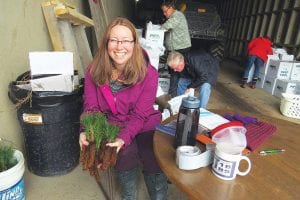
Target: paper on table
(210, 120)
(54, 62)
(176, 101)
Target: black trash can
(50, 128)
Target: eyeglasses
(115, 42)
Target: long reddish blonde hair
(102, 64)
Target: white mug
(226, 163)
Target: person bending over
(196, 68)
(258, 49)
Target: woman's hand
(117, 143)
(82, 140)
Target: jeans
(204, 90)
(257, 64)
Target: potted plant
(98, 132)
(11, 173)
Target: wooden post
(66, 29)
(99, 19)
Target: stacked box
(164, 83)
(286, 86)
(295, 74)
(279, 69)
(286, 57)
(156, 36)
(264, 68)
(269, 84)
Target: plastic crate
(290, 105)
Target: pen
(271, 151)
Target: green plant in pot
(7, 158)
(11, 172)
(98, 132)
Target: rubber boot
(157, 185)
(253, 84)
(244, 82)
(127, 180)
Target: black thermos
(187, 122)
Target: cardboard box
(295, 73)
(286, 86)
(264, 68)
(279, 69)
(269, 84)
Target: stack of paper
(210, 120)
(56, 68)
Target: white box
(286, 57)
(264, 68)
(260, 80)
(156, 36)
(154, 57)
(279, 69)
(286, 86)
(269, 84)
(164, 83)
(295, 74)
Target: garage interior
(242, 20)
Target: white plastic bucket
(12, 181)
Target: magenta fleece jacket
(131, 108)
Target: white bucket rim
(13, 175)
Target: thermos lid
(190, 102)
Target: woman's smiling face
(120, 45)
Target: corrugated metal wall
(247, 19)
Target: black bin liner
(50, 126)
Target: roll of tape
(190, 157)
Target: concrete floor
(79, 185)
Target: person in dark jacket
(258, 49)
(121, 83)
(197, 68)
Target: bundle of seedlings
(7, 159)
(98, 132)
